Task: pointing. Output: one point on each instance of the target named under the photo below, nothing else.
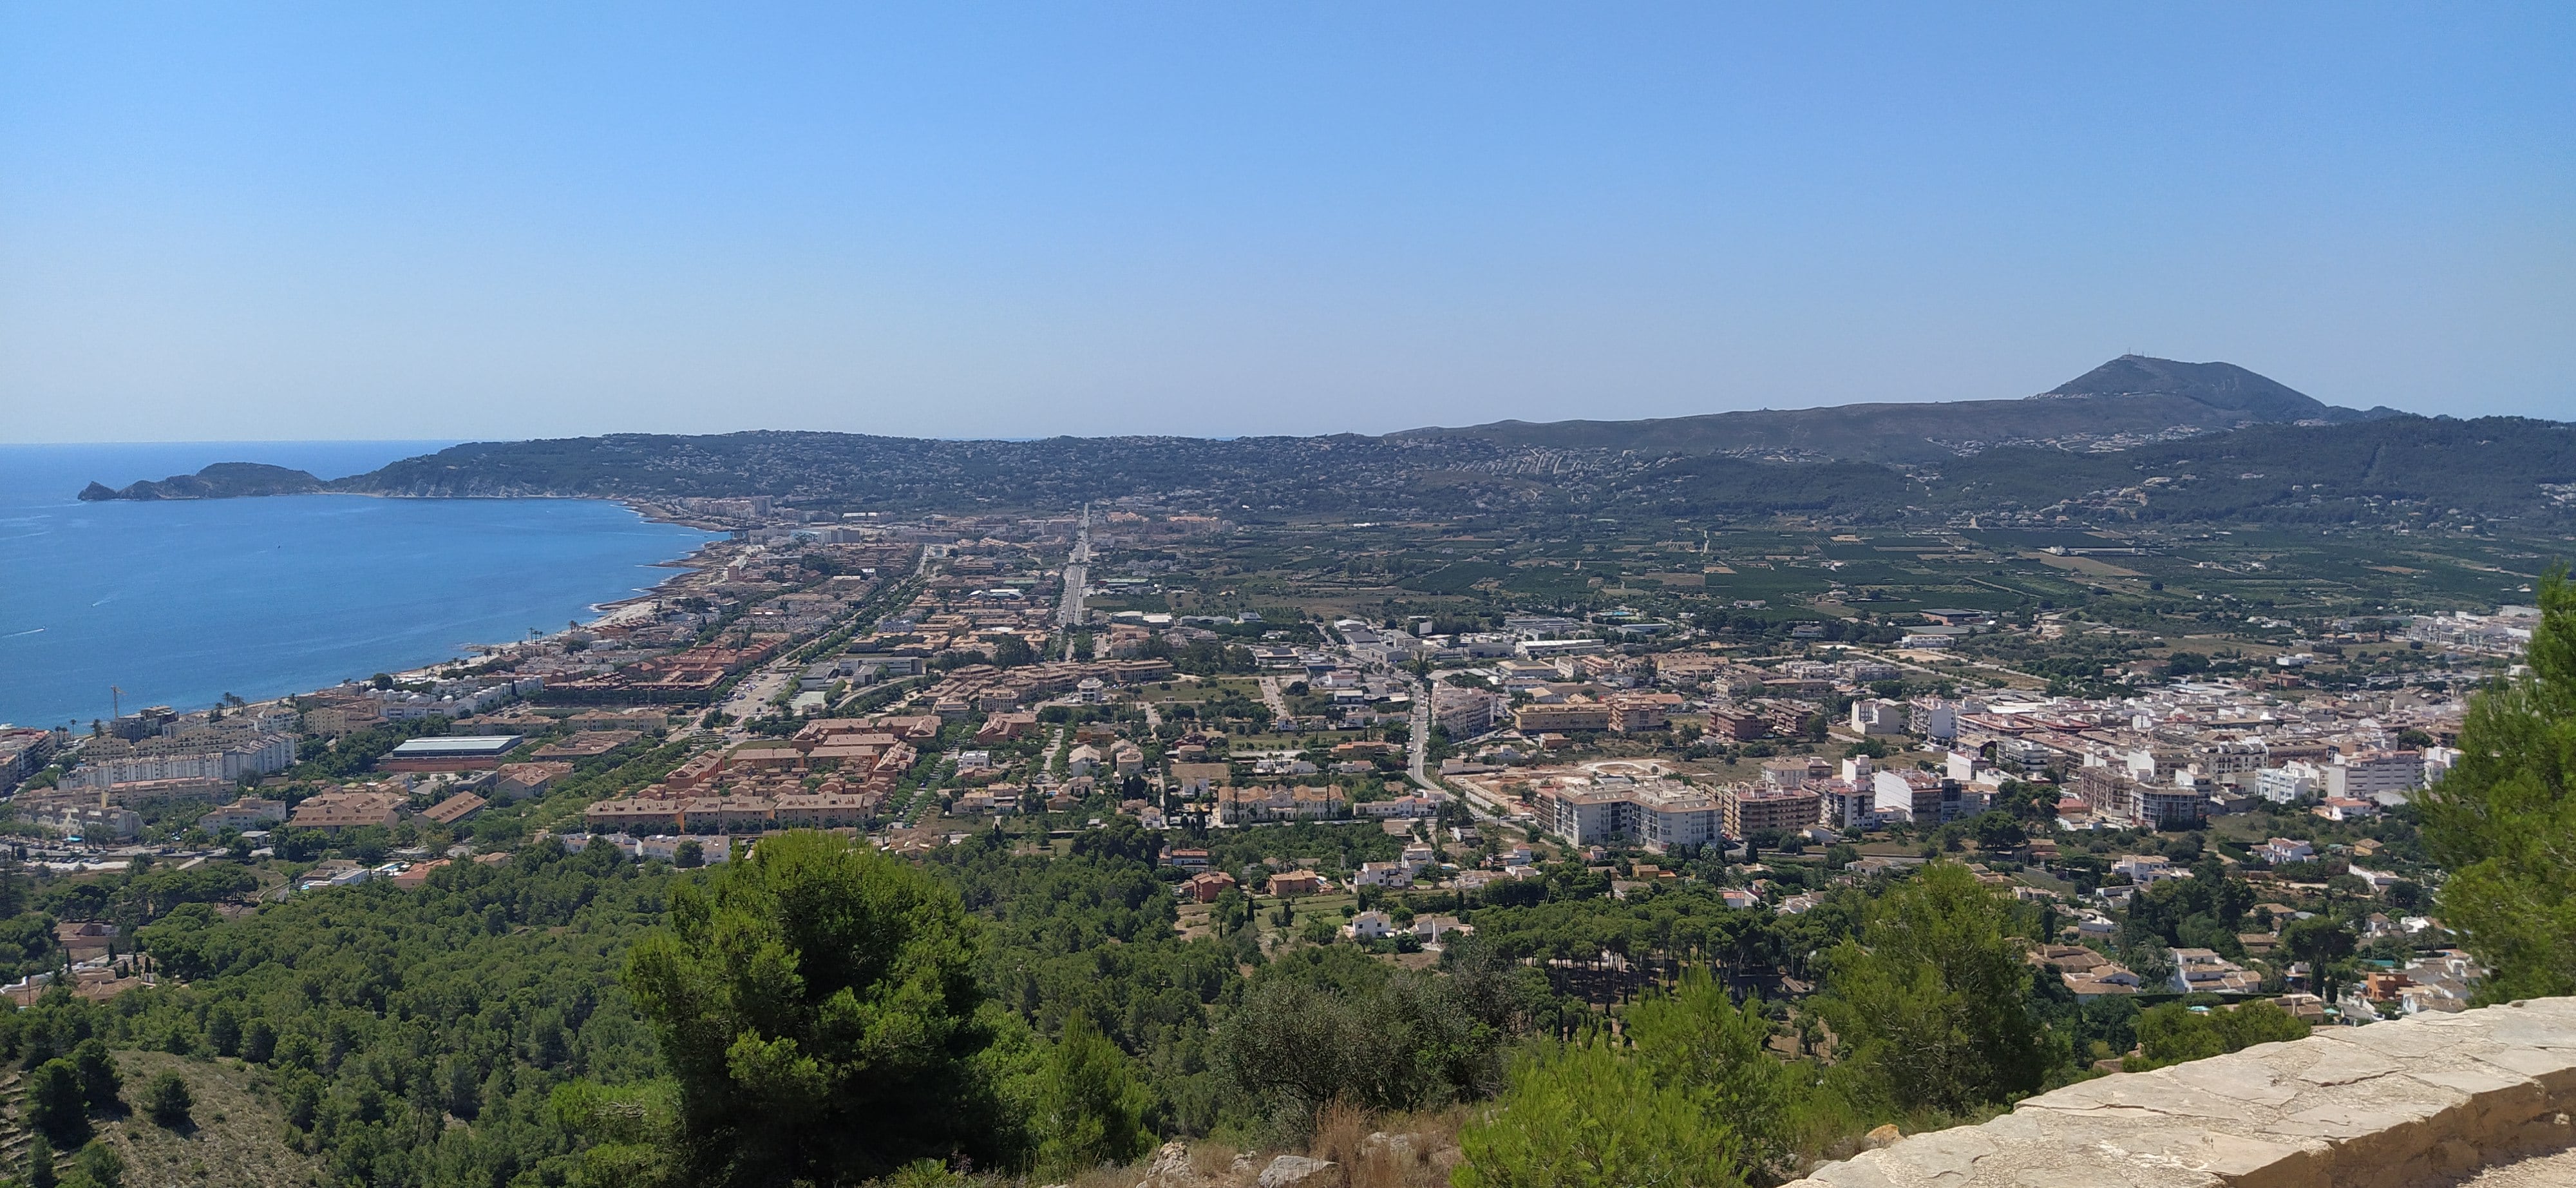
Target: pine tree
(54, 1102)
(1935, 997)
(2503, 820)
(1092, 1106)
(168, 1100)
(40, 1162)
(815, 1001)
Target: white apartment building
(1464, 713)
(2290, 783)
(1657, 814)
(2372, 773)
(1871, 716)
(211, 758)
(1848, 805)
(1934, 719)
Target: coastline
(423, 563)
(685, 566)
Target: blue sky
(374, 221)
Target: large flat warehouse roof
(455, 746)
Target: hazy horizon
(974, 221)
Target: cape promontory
(223, 480)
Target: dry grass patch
(235, 1141)
(1391, 1151)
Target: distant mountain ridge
(2136, 439)
(2129, 401)
(2218, 385)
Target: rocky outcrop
(1169, 1168)
(1289, 1171)
(2392, 1105)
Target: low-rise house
(1879, 864)
(633, 815)
(1429, 929)
(86, 940)
(823, 810)
(727, 814)
(334, 872)
(348, 810)
(1193, 779)
(1383, 874)
(1403, 807)
(2106, 980)
(1369, 926)
(1245, 806)
(2305, 1007)
(2445, 982)
(452, 810)
(1003, 727)
(515, 781)
(667, 848)
(2146, 869)
(242, 815)
(2087, 974)
(2281, 851)
(1296, 882)
(2201, 971)
(417, 873)
(1207, 886)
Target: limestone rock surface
(1289, 1171)
(2407, 1104)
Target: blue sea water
(178, 603)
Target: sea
(179, 603)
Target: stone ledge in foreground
(2391, 1105)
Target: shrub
(1582, 1118)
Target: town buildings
(1752, 809)
(221, 755)
(1655, 814)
